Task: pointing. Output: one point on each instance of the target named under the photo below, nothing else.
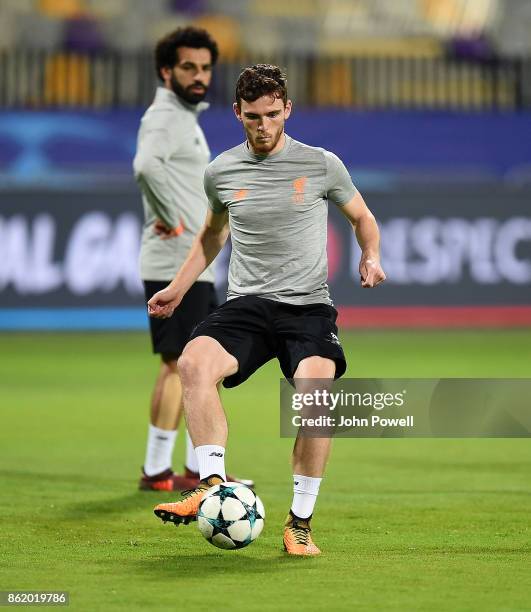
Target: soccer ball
(230, 515)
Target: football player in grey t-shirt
(272, 192)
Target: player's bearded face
(263, 121)
(193, 93)
(191, 76)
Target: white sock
(159, 450)
(211, 460)
(305, 492)
(191, 458)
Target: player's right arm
(156, 144)
(208, 243)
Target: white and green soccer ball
(230, 515)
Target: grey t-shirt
(277, 208)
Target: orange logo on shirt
(240, 194)
(298, 186)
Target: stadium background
(428, 102)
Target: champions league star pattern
(231, 516)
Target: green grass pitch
(404, 524)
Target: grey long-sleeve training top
(171, 157)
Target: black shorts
(254, 330)
(169, 336)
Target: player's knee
(189, 368)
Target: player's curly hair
(196, 38)
(261, 80)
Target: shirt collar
(263, 157)
(166, 95)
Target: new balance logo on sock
(216, 455)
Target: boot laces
(300, 533)
(190, 492)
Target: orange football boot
(185, 511)
(167, 481)
(298, 537)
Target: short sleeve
(338, 184)
(214, 202)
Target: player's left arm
(368, 237)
